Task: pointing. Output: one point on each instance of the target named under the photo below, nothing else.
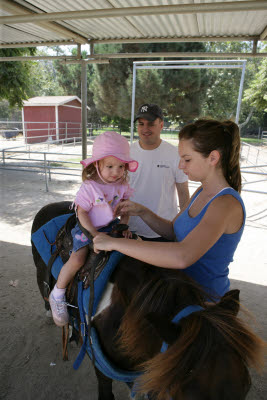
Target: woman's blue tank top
(211, 270)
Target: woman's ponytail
(231, 163)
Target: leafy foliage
(69, 79)
(176, 91)
(15, 76)
(256, 94)
(222, 94)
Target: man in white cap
(158, 179)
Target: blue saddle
(42, 240)
(46, 235)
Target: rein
(87, 329)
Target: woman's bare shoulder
(230, 208)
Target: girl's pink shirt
(100, 200)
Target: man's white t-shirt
(154, 183)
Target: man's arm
(183, 194)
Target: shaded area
(254, 298)
(30, 341)
(31, 356)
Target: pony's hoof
(48, 314)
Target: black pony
(209, 351)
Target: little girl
(104, 185)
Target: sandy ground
(31, 363)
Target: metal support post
(240, 92)
(79, 52)
(49, 171)
(84, 109)
(133, 101)
(46, 180)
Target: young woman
(207, 231)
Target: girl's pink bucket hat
(111, 144)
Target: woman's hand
(103, 242)
(128, 207)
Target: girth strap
(84, 330)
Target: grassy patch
(254, 141)
(66, 164)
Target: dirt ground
(30, 344)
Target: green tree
(15, 76)
(256, 94)
(69, 79)
(44, 80)
(177, 92)
(109, 84)
(8, 113)
(222, 94)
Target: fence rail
(41, 163)
(14, 159)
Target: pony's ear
(167, 330)
(230, 301)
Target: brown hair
(90, 173)
(208, 135)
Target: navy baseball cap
(149, 112)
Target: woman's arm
(85, 221)
(161, 226)
(183, 194)
(220, 215)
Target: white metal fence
(49, 163)
(40, 131)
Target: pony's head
(169, 331)
(164, 293)
(208, 355)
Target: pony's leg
(104, 386)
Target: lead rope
(65, 337)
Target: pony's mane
(163, 293)
(201, 334)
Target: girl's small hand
(103, 242)
(127, 234)
(128, 207)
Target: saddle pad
(49, 231)
(101, 282)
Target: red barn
(52, 118)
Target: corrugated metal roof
(49, 100)
(195, 24)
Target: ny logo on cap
(144, 109)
